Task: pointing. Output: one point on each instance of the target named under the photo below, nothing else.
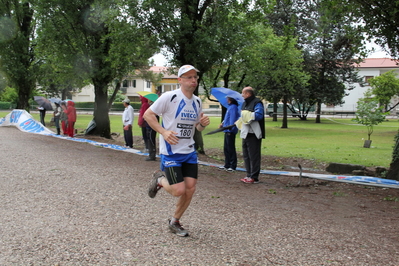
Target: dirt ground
(71, 203)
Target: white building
(369, 68)
(134, 83)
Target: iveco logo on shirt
(188, 115)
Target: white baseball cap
(185, 69)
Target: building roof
(166, 71)
(379, 63)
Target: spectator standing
(151, 139)
(57, 114)
(229, 147)
(42, 112)
(142, 123)
(252, 133)
(181, 113)
(127, 120)
(64, 118)
(71, 113)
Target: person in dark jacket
(252, 133)
(142, 123)
(42, 112)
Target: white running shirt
(180, 115)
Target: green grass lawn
(333, 140)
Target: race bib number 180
(185, 130)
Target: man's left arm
(259, 111)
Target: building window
(367, 79)
(148, 84)
(134, 83)
(125, 83)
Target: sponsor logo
(169, 163)
(31, 125)
(15, 115)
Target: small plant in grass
(391, 198)
(272, 191)
(369, 114)
(339, 194)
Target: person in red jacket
(71, 113)
(141, 122)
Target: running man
(181, 113)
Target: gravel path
(72, 203)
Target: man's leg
(231, 151)
(254, 151)
(128, 137)
(246, 157)
(185, 199)
(151, 144)
(145, 136)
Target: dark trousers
(230, 154)
(42, 115)
(151, 140)
(128, 134)
(145, 136)
(57, 124)
(251, 147)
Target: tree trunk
(101, 112)
(285, 119)
(275, 102)
(318, 112)
(113, 96)
(393, 172)
(23, 97)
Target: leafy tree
(9, 95)
(331, 55)
(369, 114)
(98, 41)
(385, 87)
(327, 34)
(274, 67)
(200, 33)
(381, 21)
(17, 48)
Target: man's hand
(204, 120)
(170, 137)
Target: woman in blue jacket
(230, 154)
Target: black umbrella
(219, 130)
(43, 102)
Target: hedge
(6, 106)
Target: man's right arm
(168, 135)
